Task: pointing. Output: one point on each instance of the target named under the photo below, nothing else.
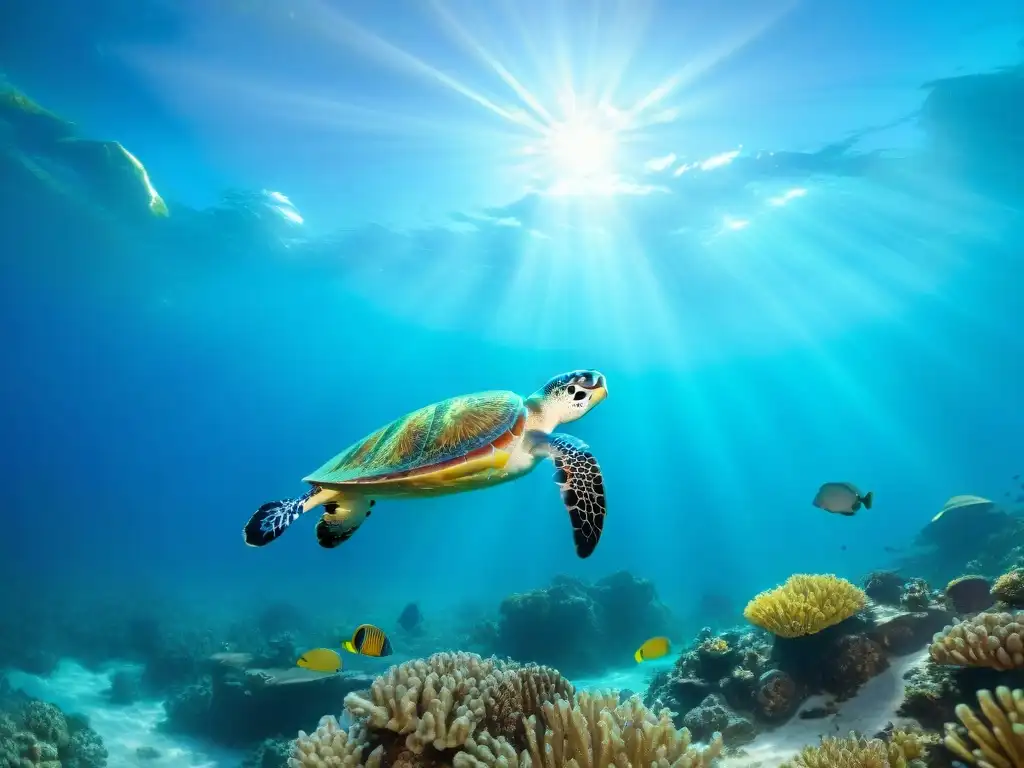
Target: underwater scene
(512, 384)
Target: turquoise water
(788, 235)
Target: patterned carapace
(449, 431)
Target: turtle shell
(427, 439)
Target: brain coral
(986, 640)
(805, 605)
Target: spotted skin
(579, 478)
(454, 431)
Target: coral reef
(586, 627)
(34, 732)
(884, 587)
(987, 640)
(331, 745)
(933, 691)
(970, 535)
(274, 753)
(460, 710)
(729, 664)
(440, 701)
(899, 749)
(901, 632)
(917, 595)
(804, 605)
(1000, 744)
(714, 715)
(758, 679)
(969, 594)
(776, 696)
(1008, 589)
(855, 659)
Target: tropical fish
(369, 641)
(320, 660)
(654, 648)
(842, 498)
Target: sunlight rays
(573, 139)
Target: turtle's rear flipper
(579, 477)
(271, 520)
(340, 520)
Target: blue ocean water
(787, 233)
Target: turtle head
(569, 396)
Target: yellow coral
(805, 605)
(993, 640)
(856, 752)
(1002, 745)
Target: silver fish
(842, 498)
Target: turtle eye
(571, 389)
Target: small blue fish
(842, 498)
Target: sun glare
(581, 149)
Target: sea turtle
(461, 444)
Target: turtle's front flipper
(341, 519)
(579, 478)
(271, 520)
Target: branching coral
(462, 711)
(897, 751)
(805, 605)
(596, 733)
(439, 702)
(987, 640)
(330, 745)
(998, 746)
